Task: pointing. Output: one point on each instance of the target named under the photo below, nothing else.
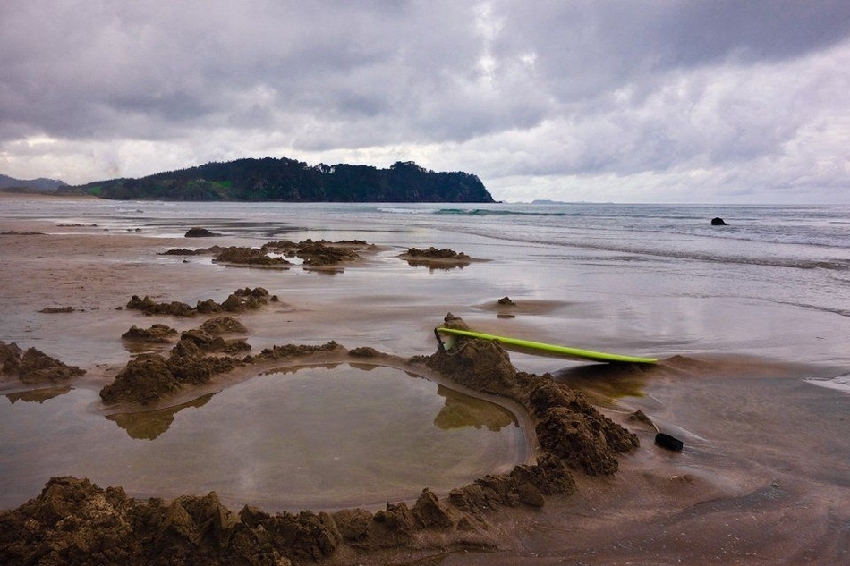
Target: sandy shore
(748, 497)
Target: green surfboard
(551, 348)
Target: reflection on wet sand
(288, 370)
(330, 435)
(147, 425)
(604, 383)
(507, 307)
(434, 266)
(462, 410)
(38, 395)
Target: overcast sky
(628, 101)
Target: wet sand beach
(763, 478)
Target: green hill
(290, 180)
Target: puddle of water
(318, 438)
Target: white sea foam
(840, 383)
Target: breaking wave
(840, 383)
(493, 212)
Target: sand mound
(75, 522)
(34, 366)
(238, 301)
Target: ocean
(750, 321)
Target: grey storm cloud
(532, 95)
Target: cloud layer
(680, 101)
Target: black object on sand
(669, 442)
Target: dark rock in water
(198, 232)
(669, 442)
(717, 221)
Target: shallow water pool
(319, 437)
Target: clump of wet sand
(110, 527)
(154, 333)
(33, 366)
(238, 301)
(313, 254)
(443, 258)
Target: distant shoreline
(36, 194)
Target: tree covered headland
(290, 180)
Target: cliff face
(289, 180)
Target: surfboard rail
(551, 348)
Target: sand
(726, 501)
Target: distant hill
(39, 184)
(283, 179)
